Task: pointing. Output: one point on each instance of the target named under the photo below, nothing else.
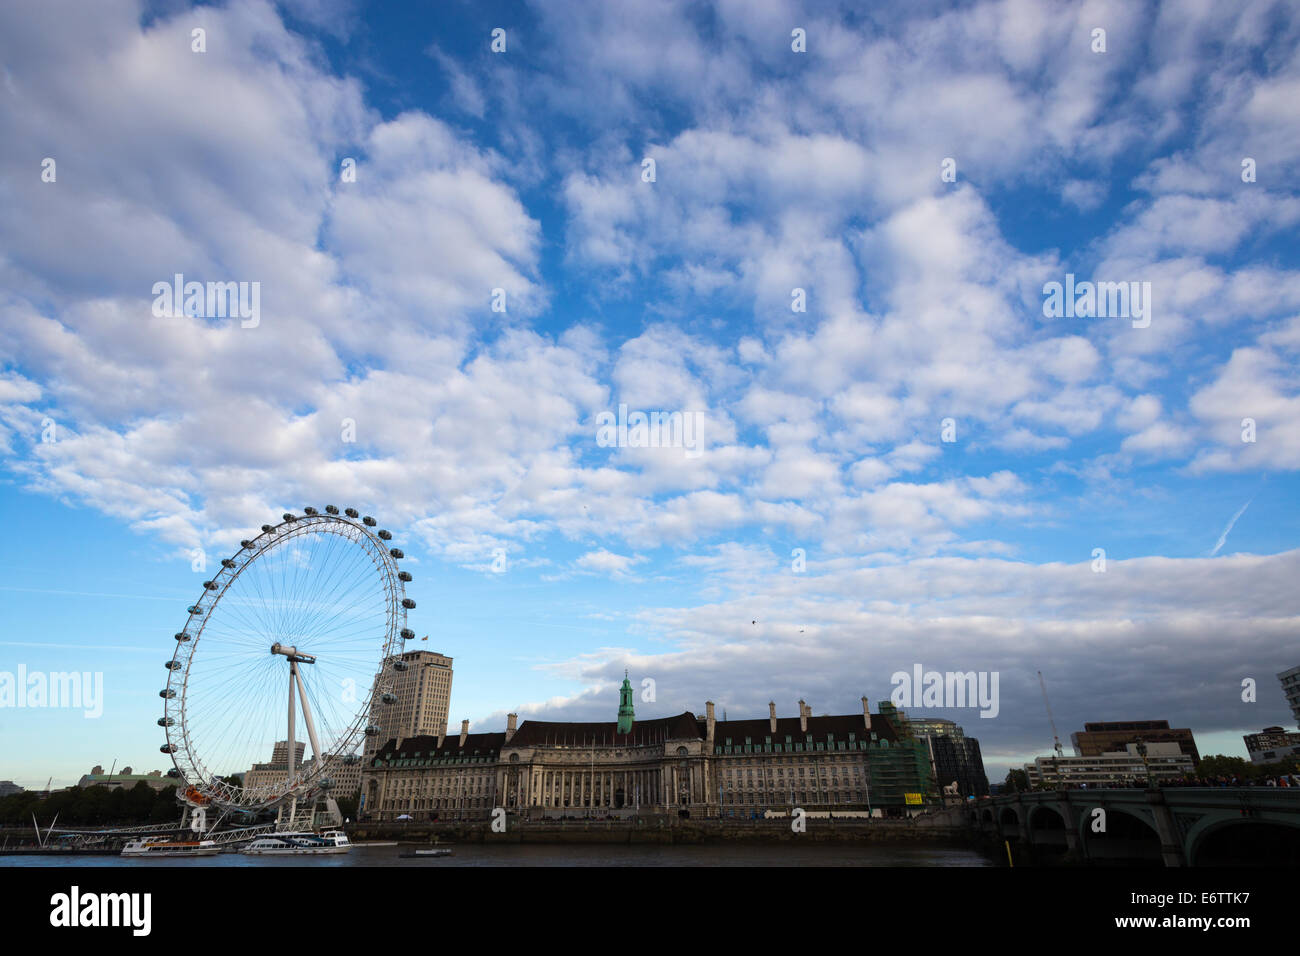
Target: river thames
(751, 855)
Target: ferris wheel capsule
(227, 563)
(408, 634)
(172, 665)
(167, 693)
(369, 522)
(182, 637)
(309, 510)
(331, 510)
(408, 604)
(267, 528)
(168, 748)
(385, 535)
(352, 512)
(398, 553)
(166, 721)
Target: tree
(1219, 765)
(1017, 781)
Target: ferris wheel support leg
(292, 744)
(306, 713)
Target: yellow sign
(912, 799)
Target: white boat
(163, 846)
(299, 843)
(425, 851)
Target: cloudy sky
(836, 261)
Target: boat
(425, 851)
(299, 843)
(162, 846)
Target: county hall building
(684, 764)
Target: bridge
(1173, 826)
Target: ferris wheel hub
(291, 651)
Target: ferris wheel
(308, 618)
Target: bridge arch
(1223, 840)
(1045, 817)
(1129, 837)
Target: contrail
(1224, 537)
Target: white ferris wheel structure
(308, 619)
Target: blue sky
(476, 429)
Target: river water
(472, 854)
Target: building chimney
(803, 717)
(771, 715)
(464, 731)
(710, 721)
(866, 713)
(511, 722)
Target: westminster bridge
(1176, 826)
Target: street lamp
(1146, 768)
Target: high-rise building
(954, 757)
(1105, 737)
(423, 692)
(1271, 745)
(1291, 687)
(280, 752)
(275, 772)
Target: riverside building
(1271, 745)
(954, 757)
(1106, 737)
(1290, 681)
(683, 765)
(1133, 766)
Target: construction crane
(1056, 738)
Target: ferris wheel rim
(202, 786)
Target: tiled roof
(659, 730)
(543, 733)
(841, 726)
(481, 745)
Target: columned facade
(682, 766)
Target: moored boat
(163, 846)
(299, 843)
